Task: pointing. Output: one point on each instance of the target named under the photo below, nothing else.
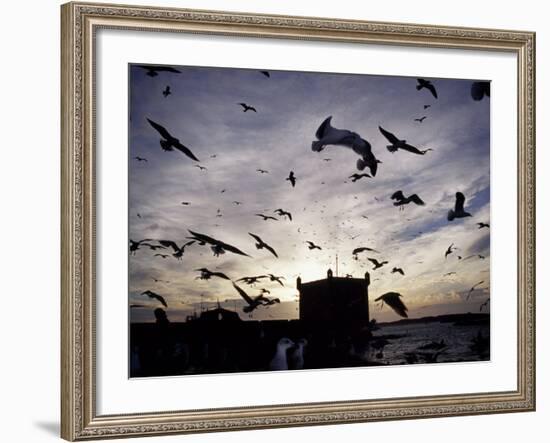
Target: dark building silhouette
(335, 303)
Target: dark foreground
(199, 347)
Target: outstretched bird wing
(459, 204)
(243, 294)
(154, 295)
(416, 199)
(412, 149)
(270, 249)
(324, 128)
(221, 275)
(160, 129)
(258, 239)
(431, 88)
(393, 300)
(207, 239)
(186, 151)
(170, 244)
(391, 138)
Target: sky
(203, 112)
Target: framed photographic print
(254, 203)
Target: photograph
(287, 220)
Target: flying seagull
(291, 178)
(275, 278)
(399, 144)
(267, 217)
(421, 119)
(166, 91)
(362, 249)
(168, 143)
(472, 289)
(247, 107)
(207, 274)
(154, 295)
(458, 211)
(153, 71)
(328, 135)
(283, 213)
(252, 280)
(262, 171)
(140, 159)
(178, 252)
(480, 90)
(426, 84)
(399, 270)
(261, 244)
(312, 245)
(393, 300)
(217, 246)
(376, 263)
(483, 225)
(251, 303)
(449, 250)
(355, 177)
(427, 106)
(202, 168)
(401, 200)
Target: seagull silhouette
(276, 278)
(312, 245)
(396, 143)
(399, 270)
(329, 135)
(401, 200)
(247, 107)
(167, 91)
(207, 274)
(262, 171)
(355, 177)
(393, 300)
(483, 225)
(291, 178)
(420, 120)
(376, 263)
(140, 159)
(267, 217)
(283, 213)
(178, 252)
(449, 250)
(168, 143)
(421, 83)
(260, 244)
(458, 211)
(217, 246)
(153, 71)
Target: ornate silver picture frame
(79, 383)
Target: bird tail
(451, 215)
(392, 148)
(316, 146)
